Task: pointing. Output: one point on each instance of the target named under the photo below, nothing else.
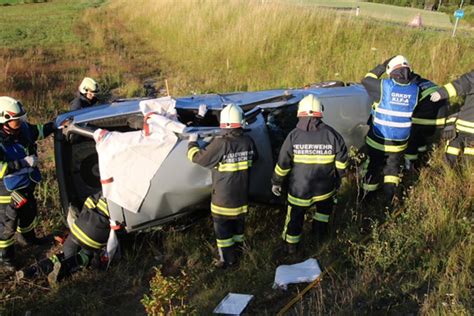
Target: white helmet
(396, 62)
(231, 116)
(88, 84)
(10, 109)
(310, 106)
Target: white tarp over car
(128, 161)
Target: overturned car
(178, 186)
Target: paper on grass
(233, 304)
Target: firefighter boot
(292, 249)
(319, 230)
(29, 238)
(43, 267)
(389, 193)
(228, 258)
(64, 267)
(7, 258)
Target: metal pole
(455, 26)
(457, 20)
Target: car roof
(213, 101)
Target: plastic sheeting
(128, 161)
(306, 271)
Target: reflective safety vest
(392, 117)
(16, 151)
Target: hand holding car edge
(30, 161)
(276, 190)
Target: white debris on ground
(306, 271)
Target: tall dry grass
(421, 261)
(250, 45)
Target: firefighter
(20, 174)
(86, 94)
(314, 159)
(427, 118)
(87, 239)
(462, 125)
(230, 159)
(394, 100)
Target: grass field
(385, 12)
(420, 262)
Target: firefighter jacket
(230, 159)
(314, 157)
(388, 123)
(80, 102)
(463, 86)
(92, 227)
(427, 112)
(15, 147)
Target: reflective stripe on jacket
(427, 112)
(230, 159)
(92, 227)
(313, 160)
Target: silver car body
(179, 186)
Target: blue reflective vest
(392, 117)
(16, 151)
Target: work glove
(193, 137)
(30, 161)
(202, 110)
(449, 132)
(435, 96)
(276, 189)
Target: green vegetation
(247, 45)
(46, 25)
(420, 261)
(401, 13)
(377, 11)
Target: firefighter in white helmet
(394, 100)
(314, 159)
(86, 94)
(19, 175)
(230, 158)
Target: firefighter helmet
(88, 84)
(10, 109)
(231, 116)
(310, 106)
(396, 62)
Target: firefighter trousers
(229, 236)
(461, 146)
(294, 221)
(383, 169)
(421, 137)
(13, 219)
